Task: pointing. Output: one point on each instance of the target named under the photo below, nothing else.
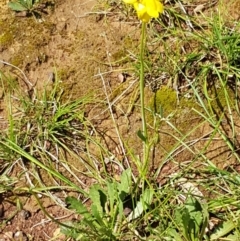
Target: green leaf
(98, 197)
(141, 136)
(222, 230)
(16, 6)
(192, 219)
(142, 204)
(233, 237)
(27, 3)
(182, 220)
(125, 184)
(174, 234)
(88, 218)
(96, 214)
(112, 194)
(205, 218)
(78, 206)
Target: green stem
(142, 84)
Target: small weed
(105, 218)
(42, 130)
(29, 7)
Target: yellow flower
(146, 9)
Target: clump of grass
(42, 132)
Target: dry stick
(188, 22)
(176, 152)
(11, 65)
(26, 172)
(56, 159)
(117, 131)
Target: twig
(188, 22)
(25, 77)
(117, 131)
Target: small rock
(122, 77)
(20, 236)
(24, 214)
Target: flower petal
(153, 7)
(130, 1)
(146, 9)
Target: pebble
(24, 214)
(20, 236)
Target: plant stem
(142, 84)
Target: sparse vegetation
(183, 183)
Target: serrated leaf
(222, 230)
(16, 6)
(174, 234)
(194, 209)
(192, 219)
(96, 214)
(98, 197)
(205, 218)
(88, 218)
(233, 237)
(183, 219)
(112, 194)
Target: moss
(128, 42)
(6, 39)
(63, 74)
(164, 99)
(17, 60)
(119, 55)
(7, 33)
(25, 30)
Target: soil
(89, 48)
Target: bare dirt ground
(83, 42)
